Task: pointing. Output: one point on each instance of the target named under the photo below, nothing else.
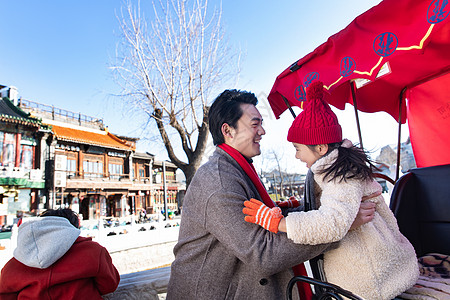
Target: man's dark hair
(226, 108)
(64, 213)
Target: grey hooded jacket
(35, 241)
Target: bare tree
(170, 67)
(277, 157)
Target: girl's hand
(365, 214)
(258, 213)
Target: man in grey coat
(218, 254)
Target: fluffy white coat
(374, 261)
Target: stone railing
(140, 250)
(138, 256)
(145, 285)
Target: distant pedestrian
(19, 215)
(52, 261)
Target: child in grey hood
(52, 261)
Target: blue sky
(58, 52)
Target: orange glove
(291, 203)
(259, 213)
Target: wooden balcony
(86, 180)
(97, 180)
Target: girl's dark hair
(64, 213)
(226, 108)
(351, 163)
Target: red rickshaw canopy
(392, 48)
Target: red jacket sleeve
(108, 277)
(6, 291)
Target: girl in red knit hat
(374, 261)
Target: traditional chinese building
(21, 175)
(141, 192)
(91, 171)
(100, 174)
(166, 186)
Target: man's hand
(365, 214)
(259, 213)
(291, 203)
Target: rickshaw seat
(421, 203)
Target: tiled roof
(168, 163)
(142, 155)
(12, 114)
(103, 138)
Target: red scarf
(304, 288)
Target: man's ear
(322, 149)
(227, 131)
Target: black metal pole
(355, 106)
(399, 144)
(289, 106)
(166, 214)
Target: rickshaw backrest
(421, 203)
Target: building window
(141, 171)
(115, 168)
(93, 166)
(26, 157)
(115, 171)
(71, 167)
(93, 169)
(7, 144)
(170, 175)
